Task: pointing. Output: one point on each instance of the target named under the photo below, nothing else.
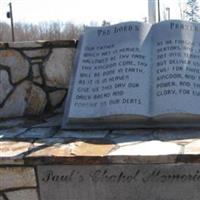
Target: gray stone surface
(1, 198)
(11, 132)
(127, 182)
(39, 133)
(36, 52)
(146, 133)
(17, 177)
(29, 194)
(57, 97)
(26, 99)
(124, 137)
(11, 123)
(81, 134)
(51, 121)
(16, 103)
(5, 86)
(176, 134)
(20, 45)
(36, 73)
(17, 65)
(57, 68)
(35, 100)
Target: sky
(86, 12)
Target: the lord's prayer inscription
(110, 73)
(120, 182)
(137, 73)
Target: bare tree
(42, 31)
(4, 30)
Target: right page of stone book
(176, 68)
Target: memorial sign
(120, 182)
(136, 74)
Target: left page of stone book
(111, 74)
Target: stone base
(30, 148)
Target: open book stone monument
(41, 161)
(138, 74)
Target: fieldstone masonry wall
(33, 76)
(18, 183)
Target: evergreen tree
(192, 11)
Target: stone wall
(34, 76)
(18, 183)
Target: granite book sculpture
(136, 75)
